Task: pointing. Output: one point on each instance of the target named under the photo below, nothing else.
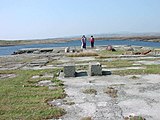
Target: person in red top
(92, 41)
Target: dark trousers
(84, 45)
(92, 44)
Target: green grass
(55, 62)
(134, 118)
(150, 69)
(20, 99)
(82, 54)
(106, 52)
(118, 63)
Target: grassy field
(21, 99)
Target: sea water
(10, 49)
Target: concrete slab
(138, 97)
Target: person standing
(92, 41)
(83, 40)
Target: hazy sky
(28, 19)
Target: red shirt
(91, 39)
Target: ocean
(10, 49)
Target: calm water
(10, 49)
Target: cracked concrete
(139, 97)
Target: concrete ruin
(95, 69)
(69, 70)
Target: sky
(39, 19)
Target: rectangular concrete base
(95, 69)
(69, 70)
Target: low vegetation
(90, 91)
(82, 54)
(134, 77)
(150, 69)
(112, 92)
(107, 52)
(86, 118)
(21, 99)
(134, 118)
(82, 67)
(118, 63)
(28, 42)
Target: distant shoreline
(5, 43)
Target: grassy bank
(27, 42)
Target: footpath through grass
(23, 100)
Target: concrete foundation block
(95, 69)
(69, 70)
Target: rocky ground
(106, 97)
